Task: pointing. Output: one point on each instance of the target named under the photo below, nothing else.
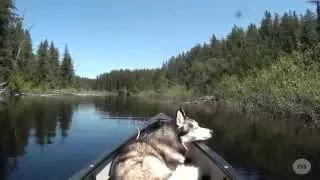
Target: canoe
(211, 165)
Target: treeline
(245, 50)
(134, 81)
(23, 69)
(85, 84)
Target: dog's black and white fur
(158, 154)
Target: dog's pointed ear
(180, 117)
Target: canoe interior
(211, 165)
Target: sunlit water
(52, 138)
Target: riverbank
(285, 90)
(68, 92)
(307, 111)
(268, 92)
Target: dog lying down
(159, 153)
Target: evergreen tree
(27, 63)
(309, 30)
(44, 70)
(215, 45)
(54, 60)
(6, 16)
(66, 69)
(276, 33)
(289, 32)
(266, 29)
(251, 48)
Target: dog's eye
(190, 126)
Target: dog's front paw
(176, 157)
(181, 159)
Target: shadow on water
(30, 122)
(124, 106)
(258, 147)
(19, 119)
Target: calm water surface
(51, 138)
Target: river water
(51, 138)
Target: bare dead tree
(22, 41)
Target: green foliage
(241, 51)
(178, 91)
(274, 65)
(66, 70)
(84, 83)
(44, 71)
(6, 21)
(15, 80)
(54, 61)
(19, 66)
(309, 35)
(174, 93)
(134, 81)
(287, 84)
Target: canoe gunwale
(94, 167)
(218, 160)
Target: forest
(243, 51)
(273, 65)
(23, 68)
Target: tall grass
(286, 86)
(176, 92)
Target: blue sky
(103, 35)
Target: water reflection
(37, 130)
(76, 130)
(18, 119)
(259, 147)
(124, 106)
(262, 148)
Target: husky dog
(159, 153)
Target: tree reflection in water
(19, 118)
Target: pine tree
(44, 70)
(235, 46)
(66, 70)
(276, 32)
(6, 16)
(27, 62)
(289, 32)
(309, 30)
(16, 36)
(251, 48)
(266, 28)
(215, 47)
(54, 61)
